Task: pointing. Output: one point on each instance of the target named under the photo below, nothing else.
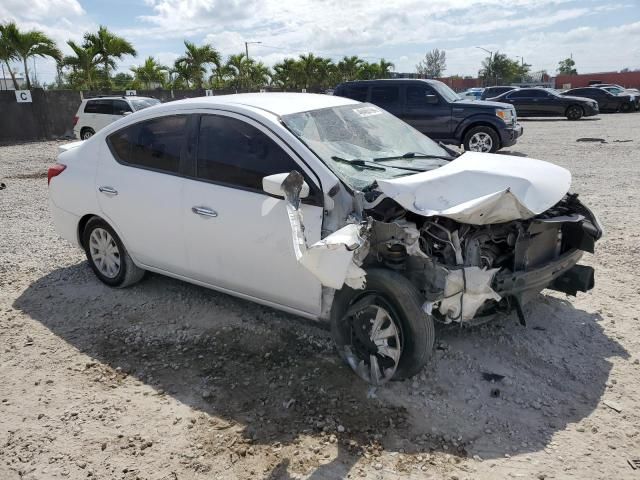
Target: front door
(237, 237)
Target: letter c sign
(23, 96)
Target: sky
(601, 35)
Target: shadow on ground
(261, 371)
(557, 119)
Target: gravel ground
(166, 380)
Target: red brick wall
(460, 84)
(629, 79)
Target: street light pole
(246, 51)
(490, 62)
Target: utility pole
(246, 51)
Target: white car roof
(278, 103)
(120, 97)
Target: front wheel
(625, 108)
(382, 332)
(574, 112)
(481, 139)
(107, 256)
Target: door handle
(108, 190)
(204, 211)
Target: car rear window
(153, 144)
(99, 106)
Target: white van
(96, 113)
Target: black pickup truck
(437, 111)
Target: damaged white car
(327, 208)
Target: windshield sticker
(367, 111)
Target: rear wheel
(381, 332)
(481, 139)
(86, 133)
(574, 112)
(107, 256)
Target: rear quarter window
(355, 92)
(104, 107)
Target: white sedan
(327, 208)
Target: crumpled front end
(464, 269)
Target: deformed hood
(482, 188)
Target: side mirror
(431, 99)
(272, 185)
(124, 114)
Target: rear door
(139, 189)
(387, 97)
(432, 119)
(238, 237)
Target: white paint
(130, 93)
(482, 188)
(208, 93)
(23, 96)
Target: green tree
(433, 64)
(83, 64)
(8, 54)
(109, 47)
(237, 70)
(567, 67)
(498, 68)
(150, 72)
(349, 68)
(25, 45)
(196, 59)
(122, 81)
(287, 74)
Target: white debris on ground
(166, 380)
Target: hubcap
(375, 347)
(480, 142)
(104, 252)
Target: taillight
(75, 120)
(54, 171)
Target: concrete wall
(49, 115)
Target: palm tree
(7, 54)
(150, 72)
(29, 44)
(287, 74)
(109, 46)
(259, 74)
(349, 67)
(197, 58)
(184, 74)
(238, 67)
(84, 65)
(384, 68)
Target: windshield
(448, 94)
(339, 135)
(140, 103)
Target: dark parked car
(434, 109)
(491, 92)
(539, 102)
(607, 101)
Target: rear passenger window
(385, 96)
(358, 93)
(155, 144)
(99, 106)
(233, 152)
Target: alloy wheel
(376, 340)
(480, 142)
(104, 252)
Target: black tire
(574, 112)
(404, 304)
(481, 131)
(625, 107)
(86, 133)
(128, 272)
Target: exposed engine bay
(466, 272)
